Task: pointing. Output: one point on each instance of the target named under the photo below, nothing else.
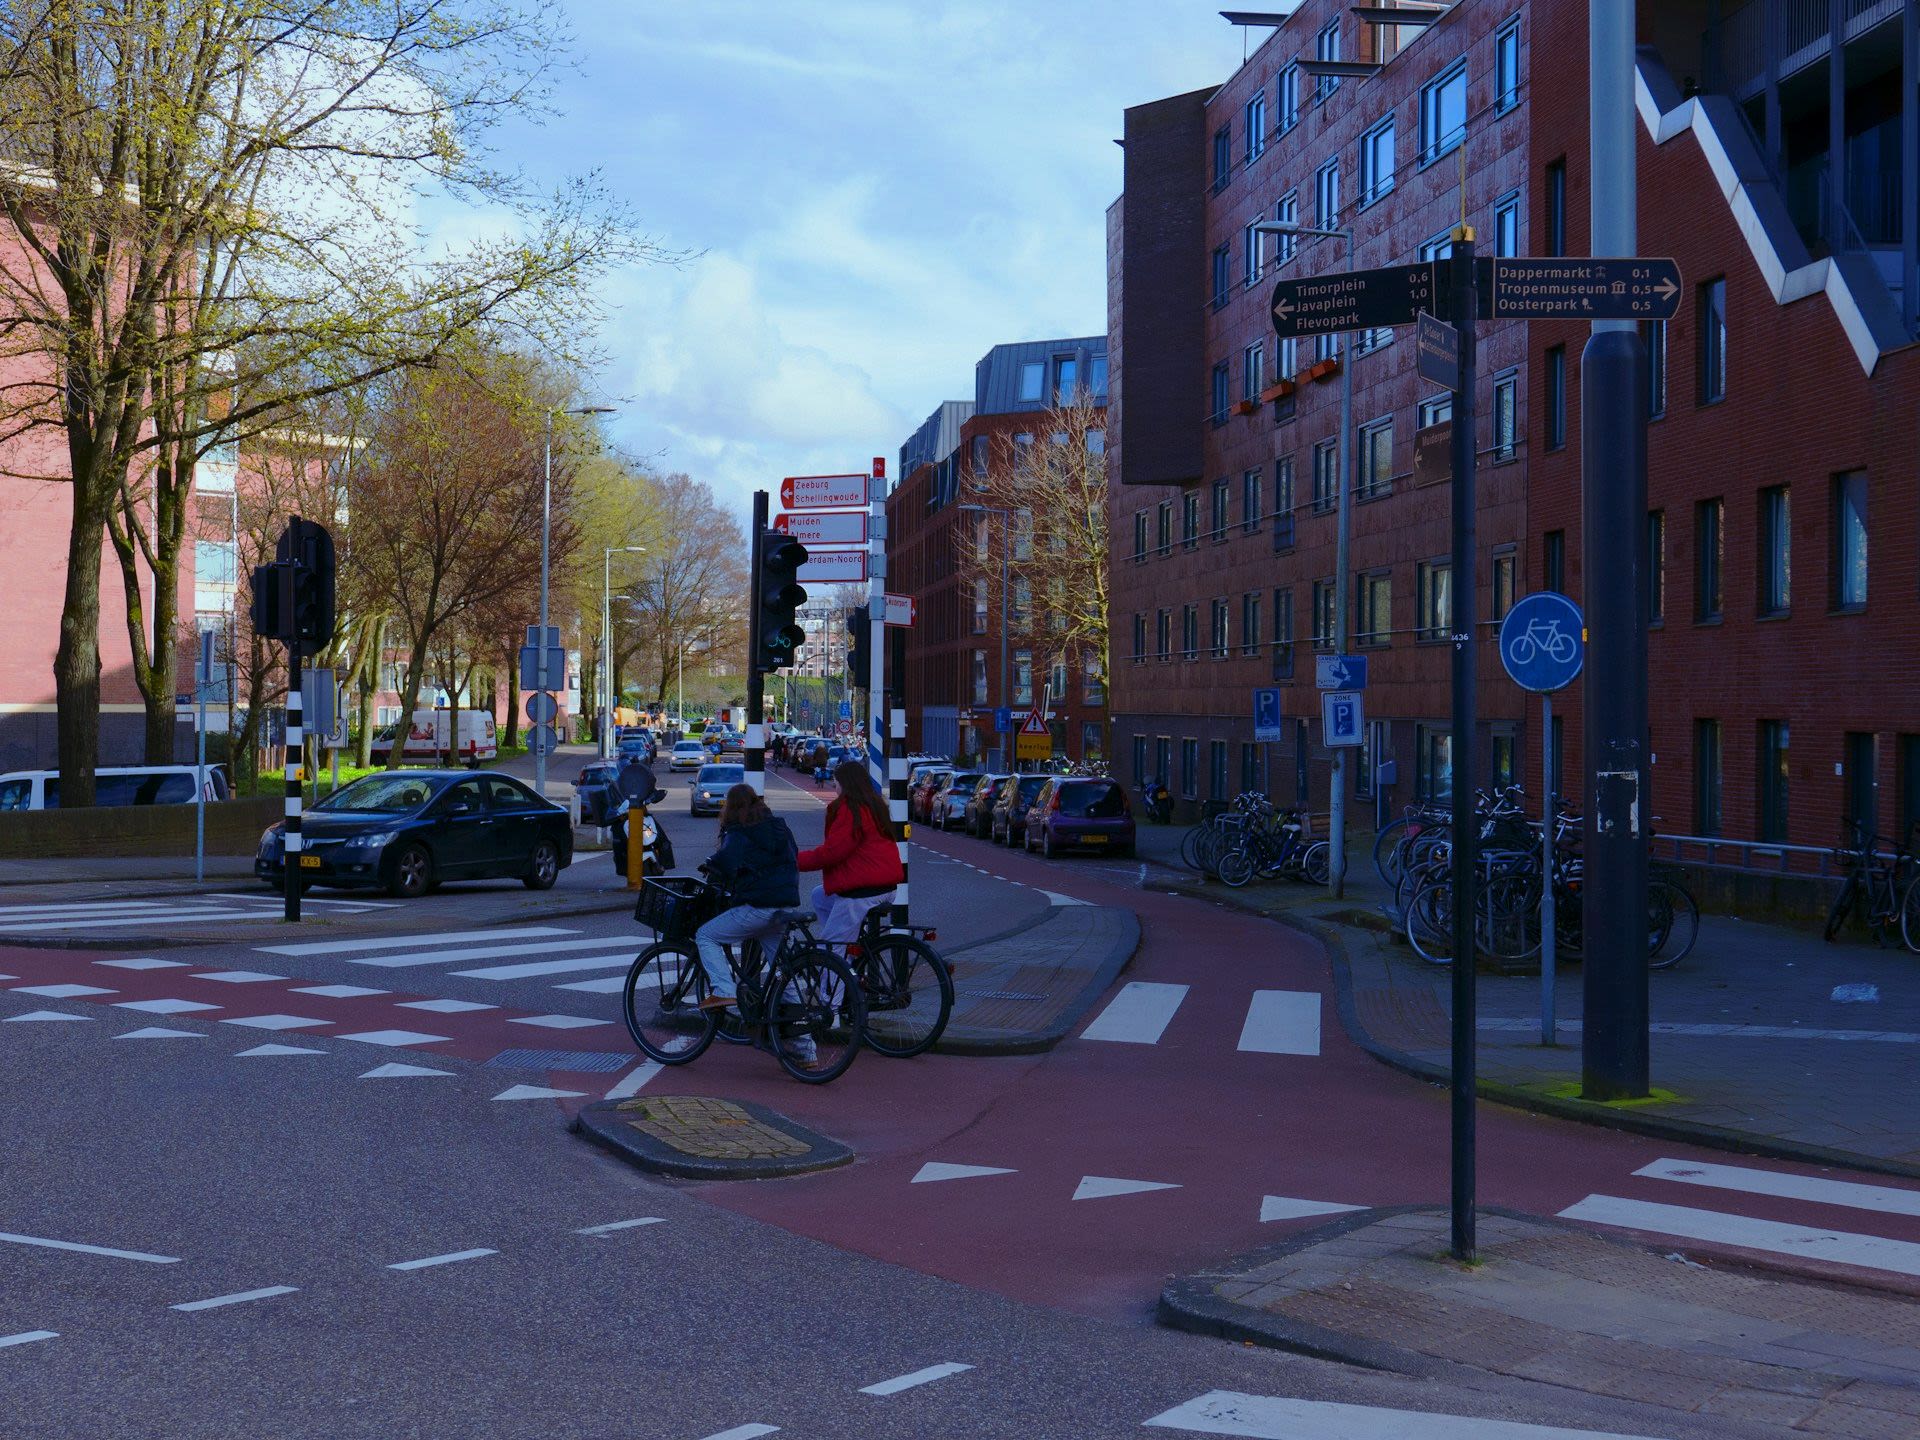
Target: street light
(1006, 545)
(1343, 535)
(546, 540)
(606, 641)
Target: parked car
(919, 798)
(410, 830)
(947, 807)
(441, 737)
(1080, 810)
(710, 787)
(117, 785)
(979, 817)
(638, 745)
(687, 755)
(596, 772)
(1010, 807)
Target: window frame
(1435, 146)
(1555, 381)
(1508, 208)
(1326, 187)
(1773, 552)
(1326, 490)
(1373, 594)
(1217, 393)
(1710, 341)
(1252, 493)
(1506, 385)
(1368, 485)
(1652, 331)
(1254, 119)
(1222, 158)
(1222, 270)
(1773, 782)
(1555, 199)
(1842, 599)
(1709, 779)
(1433, 585)
(1709, 560)
(1282, 630)
(1250, 622)
(1656, 597)
(1253, 371)
(1373, 185)
(1506, 88)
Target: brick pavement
(712, 1129)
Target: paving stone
(1852, 1422)
(1762, 1407)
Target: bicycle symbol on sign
(1543, 634)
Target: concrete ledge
(1064, 928)
(692, 1147)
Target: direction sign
(1353, 300)
(1543, 641)
(543, 740)
(1267, 724)
(833, 567)
(1437, 347)
(901, 611)
(530, 674)
(824, 527)
(542, 707)
(1579, 288)
(1341, 720)
(823, 492)
(1433, 453)
(1340, 672)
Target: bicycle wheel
(1910, 916)
(1682, 915)
(1842, 903)
(1509, 919)
(1316, 866)
(661, 1003)
(1429, 922)
(1235, 867)
(817, 1017)
(1388, 862)
(909, 991)
(1190, 846)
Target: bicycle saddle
(795, 917)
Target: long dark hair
(857, 789)
(743, 806)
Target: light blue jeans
(841, 915)
(732, 927)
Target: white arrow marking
(536, 1092)
(1279, 1207)
(1098, 1187)
(277, 1050)
(941, 1170)
(395, 1072)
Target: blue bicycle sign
(1542, 641)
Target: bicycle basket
(675, 906)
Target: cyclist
(859, 860)
(754, 866)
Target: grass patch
(1570, 1090)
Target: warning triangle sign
(1035, 723)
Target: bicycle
(1886, 890)
(804, 1001)
(907, 984)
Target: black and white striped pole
(756, 679)
(897, 794)
(296, 753)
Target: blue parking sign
(1341, 721)
(1266, 716)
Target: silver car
(710, 787)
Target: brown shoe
(718, 1002)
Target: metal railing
(1760, 857)
(1735, 54)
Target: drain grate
(581, 1061)
(997, 995)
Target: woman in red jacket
(859, 859)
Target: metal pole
(1342, 598)
(756, 682)
(1910, 162)
(1465, 721)
(1613, 521)
(296, 747)
(546, 536)
(202, 672)
(1006, 665)
(606, 653)
(875, 735)
(1548, 958)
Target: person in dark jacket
(755, 867)
(859, 859)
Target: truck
(431, 740)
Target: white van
(427, 739)
(117, 785)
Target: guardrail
(1759, 857)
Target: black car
(409, 830)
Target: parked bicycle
(1885, 887)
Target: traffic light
(271, 608)
(859, 632)
(780, 595)
(309, 548)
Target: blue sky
(878, 192)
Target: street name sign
(1579, 288)
(1437, 347)
(824, 527)
(834, 567)
(900, 611)
(823, 492)
(1340, 672)
(1433, 453)
(1353, 300)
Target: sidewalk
(1764, 1039)
(1773, 1353)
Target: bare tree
(693, 587)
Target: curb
(601, 1123)
(1658, 1127)
(1038, 1042)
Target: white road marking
(557, 1022)
(1138, 1015)
(163, 1007)
(27, 1337)
(1272, 1417)
(942, 1170)
(339, 992)
(536, 1092)
(401, 942)
(144, 964)
(238, 977)
(394, 1071)
(44, 1015)
(1098, 1187)
(83, 907)
(274, 1022)
(613, 1225)
(75, 1245)
(167, 917)
(395, 1037)
(160, 1032)
(411, 958)
(1054, 897)
(1279, 1207)
(239, 1298)
(629, 1084)
(61, 992)
(265, 1050)
(745, 1432)
(606, 985)
(275, 901)
(1282, 1022)
(620, 961)
(1871, 1252)
(1885, 1199)
(445, 1007)
(433, 1260)
(918, 1377)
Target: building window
(1250, 779)
(1163, 635)
(1706, 777)
(1287, 97)
(1216, 769)
(1710, 341)
(1772, 785)
(1328, 347)
(1443, 112)
(1326, 193)
(1097, 375)
(1217, 394)
(1253, 371)
(1506, 569)
(1283, 503)
(1222, 157)
(1323, 614)
(1217, 640)
(1163, 760)
(1023, 677)
(1140, 535)
(1376, 459)
(1556, 397)
(1140, 775)
(1440, 247)
(1326, 46)
(1222, 264)
(1189, 767)
(1256, 120)
(980, 605)
(1326, 476)
(1776, 551)
(1020, 613)
(1250, 257)
(1506, 224)
(1066, 379)
(1221, 495)
(1860, 767)
(1057, 680)
(1556, 226)
(1434, 583)
(1190, 632)
(1553, 561)
(1506, 65)
(1656, 567)
(1139, 638)
(1506, 404)
(1287, 212)
(1376, 162)
(1434, 410)
(1190, 519)
(1505, 760)
(1166, 527)
(1849, 557)
(1653, 335)
(1032, 380)
(1708, 540)
(1433, 764)
(1250, 623)
(1283, 634)
(979, 677)
(1374, 620)
(1250, 501)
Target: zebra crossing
(87, 916)
(1277, 1022)
(526, 952)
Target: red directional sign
(824, 527)
(834, 567)
(823, 492)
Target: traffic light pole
(296, 753)
(876, 720)
(756, 681)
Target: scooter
(1158, 801)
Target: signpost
(1579, 288)
(1437, 349)
(202, 678)
(1267, 723)
(1341, 722)
(1034, 741)
(1433, 453)
(834, 567)
(1353, 300)
(901, 611)
(1340, 672)
(824, 527)
(823, 492)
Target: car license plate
(1093, 839)
(309, 862)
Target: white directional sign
(823, 492)
(900, 611)
(834, 567)
(824, 527)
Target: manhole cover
(998, 995)
(583, 1061)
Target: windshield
(689, 747)
(1092, 800)
(392, 793)
(722, 774)
(965, 781)
(1032, 785)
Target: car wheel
(543, 866)
(412, 873)
(1046, 844)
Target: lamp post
(606, 641)
(546, 540)
(1006, 547)
(1342, 560)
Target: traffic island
(1556, 1305)
(697, 1138)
